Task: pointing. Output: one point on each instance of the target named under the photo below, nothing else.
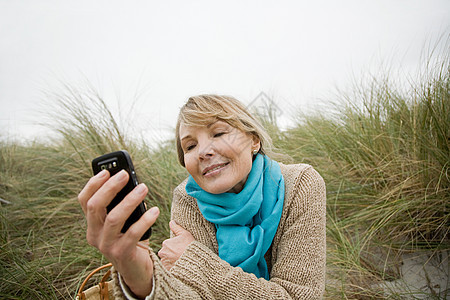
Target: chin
(216, 188)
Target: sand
(423, 276)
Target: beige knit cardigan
(296, 259)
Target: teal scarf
(246, 223)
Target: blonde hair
(203, 110)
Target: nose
(206, 149)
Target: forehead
(191, 129)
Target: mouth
(214, 168)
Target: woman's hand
(174, 247)
(104, 230)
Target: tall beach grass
(384, 152)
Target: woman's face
(218, 156)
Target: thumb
(176, 229)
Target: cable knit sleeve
(296, 259)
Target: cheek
(243, 164)
(188, 163)
(236, 149)
(248, 163)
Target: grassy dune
(383, 151)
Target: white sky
(295, 51)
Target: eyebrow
(207, 126)
(211, 124)
(185, 137)
(217, 121)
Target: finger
(106, 193)
(131, 239)
(96, 205)
(168, 264)
(91, 187)
(137, 230)
(175, 228)
(118, 215)
(163, 248)
(164, 257)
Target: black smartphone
(114, 162)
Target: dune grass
(44, 253)
(383, 151)
(385, 155)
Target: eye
(189, 147)
(219, 134)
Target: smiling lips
(213, 168)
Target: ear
(256, 143)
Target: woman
(243, 226)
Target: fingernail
(154, 210)
(140, 189)
(102, 174)
(121, 175)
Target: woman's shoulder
(180, 190)
(300, 177)
(296, 172)
(181, 196)
(182, 185)
(292, 170)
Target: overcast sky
(295, 51)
